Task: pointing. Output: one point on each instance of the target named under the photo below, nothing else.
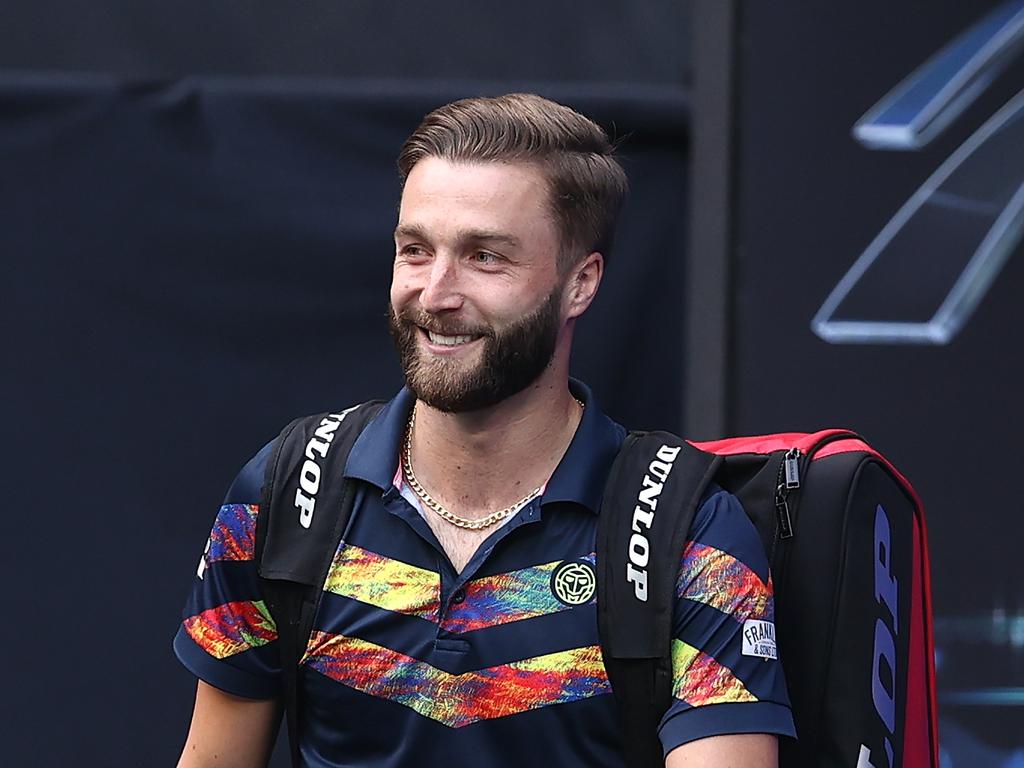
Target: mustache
(411, 316)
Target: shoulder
(723, 525)
(246, 487)
(318, 428)
(723, 572)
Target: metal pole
(708, 394)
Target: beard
(512, 358)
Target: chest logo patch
(574, 582)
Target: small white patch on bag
(759, 639)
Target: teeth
(448, 341)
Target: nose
(442, 288)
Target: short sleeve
(227, 637)
(726, 673)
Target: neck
(474, 463)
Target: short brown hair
(587, 184)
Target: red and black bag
(845, 536)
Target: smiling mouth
(448, 341)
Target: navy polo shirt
(412, 663)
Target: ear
(582, 284)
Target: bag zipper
(788, 480)
(794, 464)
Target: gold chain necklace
(451, 517)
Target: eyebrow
(462, 236)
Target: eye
(485, 258)
(414, 252)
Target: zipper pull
(792, 467)
(782, 511)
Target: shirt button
(459, 596)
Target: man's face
(476, 298)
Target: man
(443, 636)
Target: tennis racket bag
(845, 536)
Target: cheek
(401, 288)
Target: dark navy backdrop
(196, 204)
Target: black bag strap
(305, 506)
(650, 500)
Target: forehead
(440, 194)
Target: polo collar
(374, 456)
(579, 476)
